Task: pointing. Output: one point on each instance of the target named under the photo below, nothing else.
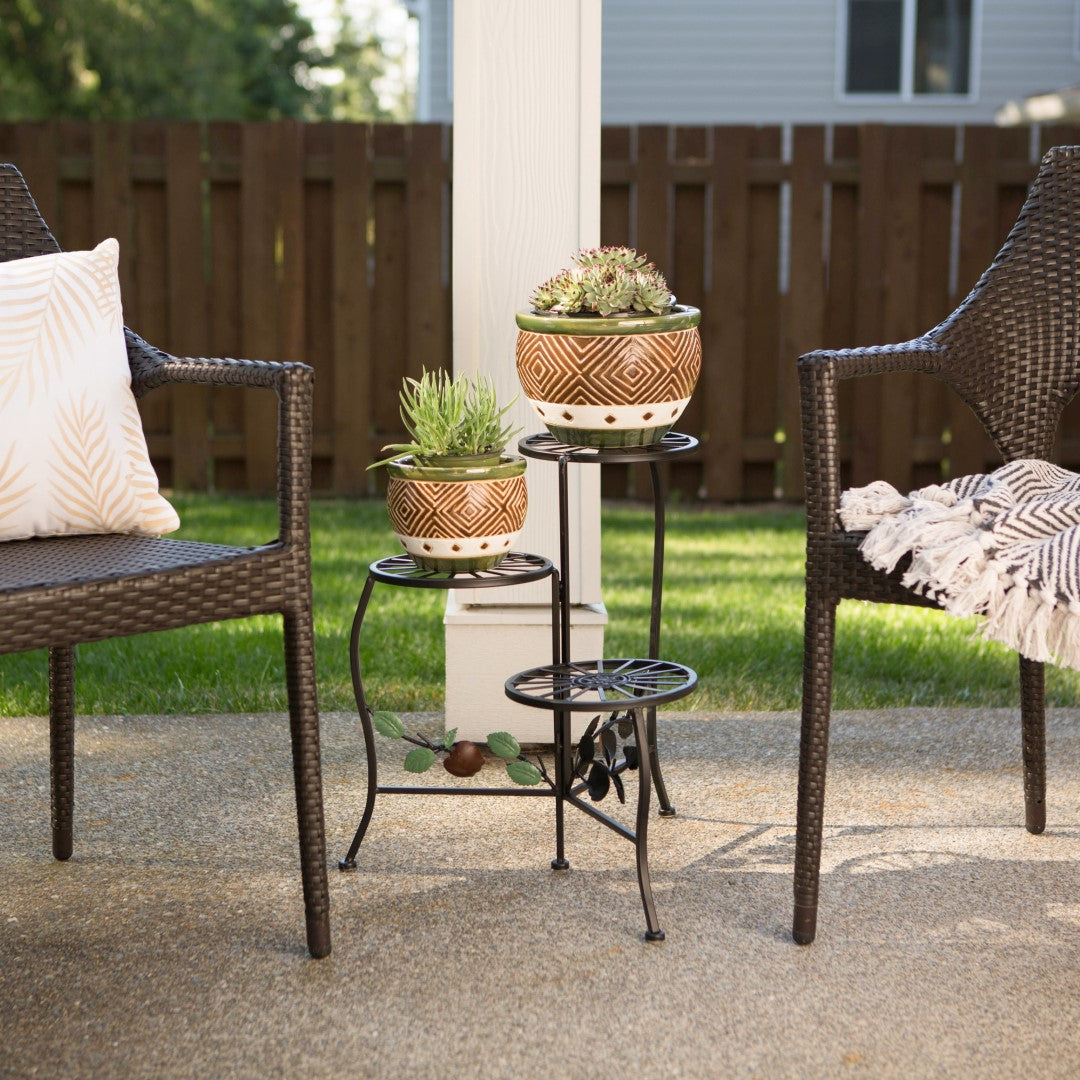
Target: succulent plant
(450, 416)
(605, 281)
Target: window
(908, 48)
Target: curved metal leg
(349, 862)
(62, 747)
(666, 807)
(1033, 722)
(653, 933)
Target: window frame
(907, 95)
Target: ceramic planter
(622, 380)
(457, 513)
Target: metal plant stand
(516, 569)
(631, 686)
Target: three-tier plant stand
(623, 694)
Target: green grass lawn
(732, 611)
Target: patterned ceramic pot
(622, 380)
(457, 513)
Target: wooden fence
(331, 243)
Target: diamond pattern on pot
(577, 369)
(473, 508)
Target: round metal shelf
(607, 685)
(516, 568)
(546, 447)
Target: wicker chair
(1011, 351)
(58, 592)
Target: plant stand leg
(653, 933)
(349, 862)
(562, 782)
(666, 807)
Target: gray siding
(775, 61)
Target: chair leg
(820, 630)
(62, 747)
(1033, 727)
(307, 775)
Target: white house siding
(775, 61)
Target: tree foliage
(180, 59)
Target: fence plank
(804, 312)
(188, 310)
(761, 412)
(724, 316)
(226, 405)
(900, 307)
(261, 244)
(353, 448)
(390, 327)
(112, 195)
(686, 276)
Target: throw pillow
(73, 458)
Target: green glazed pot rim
(481, 467)
(587, 324)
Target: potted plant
(456, 501)
(605, 355)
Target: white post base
(485, 645)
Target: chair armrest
(152, 367)
(819, 375)
(294, 384)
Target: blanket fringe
(949, 532)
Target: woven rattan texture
(56, 593)
(1010, 351)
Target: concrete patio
(171, 945)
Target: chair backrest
(23, 231)
(1012, 348)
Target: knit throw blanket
(1005, 545)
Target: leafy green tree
(175, 59)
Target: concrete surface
(171, 945)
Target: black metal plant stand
(633, 686)
(624, 693)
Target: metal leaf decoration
(503, 744)
(419, 759)
(599, 781)
(610, 744)
(586, 750)
(523, 772)
(616, 780)
(387, 723)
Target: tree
(172, 59)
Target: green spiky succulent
(448, 416)
(605, 281)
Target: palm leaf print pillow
(73, 457)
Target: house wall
(775, 61)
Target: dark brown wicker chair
(1011, 351)
(58, 592)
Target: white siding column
(526, 197)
